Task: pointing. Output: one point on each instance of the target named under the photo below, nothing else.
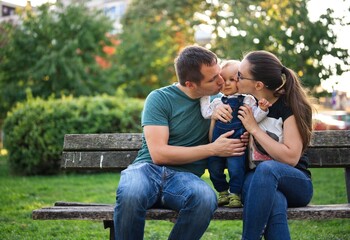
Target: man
(166, 173)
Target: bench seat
(115, 151)
(104, 212)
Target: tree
(279, 26)
(153, 33)
(152, 30)
(53, 51)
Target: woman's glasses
(240, 77)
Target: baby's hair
(226, 63)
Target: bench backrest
(116, 151)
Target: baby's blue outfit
(236, 165)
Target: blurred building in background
(9, 11)
(114, 9)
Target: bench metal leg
(110, 225)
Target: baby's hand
(264, 104)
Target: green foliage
(34, 130)
(145, 62)
(53, 52)
(154, 33)
(156, 30)
(279, 26)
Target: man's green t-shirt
(169, 106)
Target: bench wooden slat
(108, 160)
(105, 212)
(334, 138)
(98, 160)
(118, 150)
(329, 157)
(119, 141)
(105, 141)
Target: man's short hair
(189, 62)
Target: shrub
(34, 130)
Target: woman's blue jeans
(267, 192)
(144, 185)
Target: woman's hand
(223, 113)
(245, 138)
(245, 114)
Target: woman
(282, 179)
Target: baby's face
(229, 74)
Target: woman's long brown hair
(266, 67)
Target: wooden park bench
(329, 149)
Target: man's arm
(164, 154)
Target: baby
(230, 192)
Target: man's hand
(227, 147)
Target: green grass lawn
(20, 195)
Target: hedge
(34, 130)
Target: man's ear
(190, 85)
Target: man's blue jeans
(267, 192)
(145, 185)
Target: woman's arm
(287, 152)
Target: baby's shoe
(234, 201)
(223, 198)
